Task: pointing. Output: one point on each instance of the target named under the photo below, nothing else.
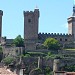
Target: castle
(32, 38)
(31, 35)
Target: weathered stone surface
(31, 20)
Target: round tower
(71, 23)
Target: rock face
(4, 71)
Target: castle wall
(30, 63)
(62, 38)
(67, 52)
(12, 51)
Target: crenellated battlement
(35, 12)
(28, 12)
(54, 34)
(61, 37)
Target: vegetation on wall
(8, 60)
(18, 41)
(36, 71)
(52, 43)
(25, 55)
(69, 68)
(1, 50)
(53, 56)
(48, 71)
(41, 46)
(37, 54)
(1, 53)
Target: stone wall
(30, 62)
(12, 51)
(31, 20)
(63, 39)
(67, 52)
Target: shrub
(8, 60)
(27, 55)
(48, 71)
(52, 43)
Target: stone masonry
(1, 14)
(31, 20)
(31, 36)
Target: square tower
(1, 14)
(31, 20)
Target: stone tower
(71, 23)
(31, 20)
(1, 14)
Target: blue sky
(53, 15)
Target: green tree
(18, 41)
(52, 43)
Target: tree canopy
(52, 43)
(18, 41)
